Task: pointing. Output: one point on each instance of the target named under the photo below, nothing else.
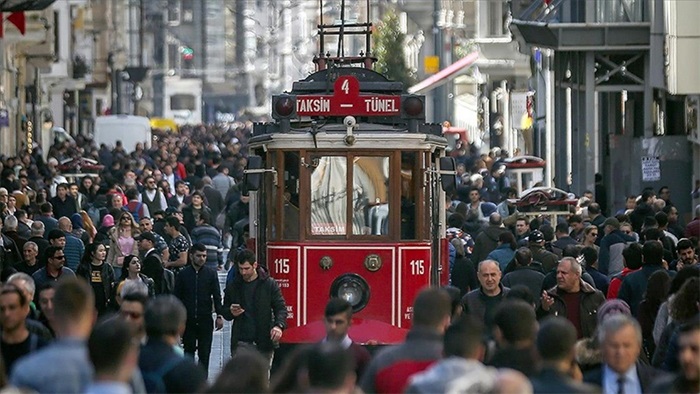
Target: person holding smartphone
(254, 302)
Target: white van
(128, 129)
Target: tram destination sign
(347, 100)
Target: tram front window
(329, 196)
(370, 196)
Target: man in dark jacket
(572, 298)
(558, 359)
(47, 217)
(620, 341)
(197, 286)
(524, 273)
(487, 240)
(642, 210)
(209, 236)
(162, 368)
(611, 246)
(635, 284)
(547, 259)
(237, 214)
(254, 302)
(10, 255)
(482, 302)
(590, 257)
(63, 204)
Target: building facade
(621, 80)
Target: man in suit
(620, 339)
(152, 262)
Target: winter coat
(114, 252)
(269, 309)
(591, 300)
(486, 242)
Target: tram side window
(370, 196)
(408, 194)
(291, 196)
(329, 195)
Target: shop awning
(445, 75)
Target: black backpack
(168, 284)
(153, 380)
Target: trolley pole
(438, 92)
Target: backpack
(135, 213)
(153, 380)
(168, 284)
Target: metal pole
(141, 32)
(569, 130)
(438, 92)
(549, 146)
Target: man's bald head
(65, 224)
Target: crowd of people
(110, 284)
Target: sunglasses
(62, 257)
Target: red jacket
(616, 282)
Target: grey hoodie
(454, 375)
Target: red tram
(347, 197)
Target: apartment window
(173, 56)
(56, 38)
(187, 11)
(621, 10)
(180, 102)
(174, 11)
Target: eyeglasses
(61, 257)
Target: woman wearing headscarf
(102, 235)
(78, 228)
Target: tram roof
(367, 137)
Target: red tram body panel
(305, 285)
(347, 188)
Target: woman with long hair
(682, 308)
(122, 242)
(79, 230)
(99, 275)
(132, 271)
(88, 225)
(656, 293)
(590, 234)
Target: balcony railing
(574, 11)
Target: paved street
(221, 344)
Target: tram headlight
(353, 289)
